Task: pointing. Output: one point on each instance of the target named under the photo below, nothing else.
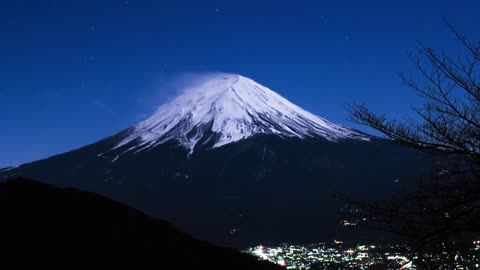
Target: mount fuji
(235, 163)
(227, 109)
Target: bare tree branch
(448, 125)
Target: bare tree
(448, 204)
(451, 114)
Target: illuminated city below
(336, 256)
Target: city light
(335, 256)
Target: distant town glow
(336, 256)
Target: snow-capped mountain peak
(230, 108)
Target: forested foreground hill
(44, 227)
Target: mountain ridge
(47, 227)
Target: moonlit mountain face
(232, 162)
(230, 108)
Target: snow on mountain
(230, 108)
(8, 169)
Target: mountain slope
(49, 228)
(262, 189)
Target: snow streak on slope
(227, 109)
(8, 169)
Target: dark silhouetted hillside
(43, 227)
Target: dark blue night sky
(73, 72)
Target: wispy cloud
(102, 105)
(167, 88)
